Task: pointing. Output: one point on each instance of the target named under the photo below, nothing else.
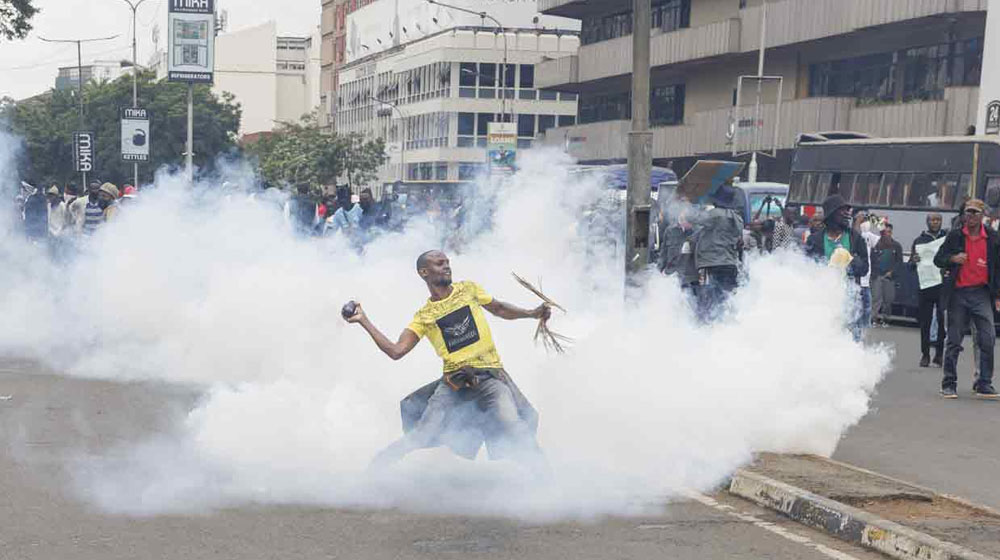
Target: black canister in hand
(349, 310)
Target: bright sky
(29, 67)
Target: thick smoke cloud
(211, 291)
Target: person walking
(863, 226)
(718, 247)
(929, 297)
(970, 258)
(886, 256)
(58, 215)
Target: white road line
(768, 526)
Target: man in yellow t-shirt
(475, 400)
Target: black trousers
(970, 305)
(930, 305)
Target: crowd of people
(959, 290)
(63, 215)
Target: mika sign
(191, 41)
(84, 148)
(135, 134)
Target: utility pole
(189, 155)
(640, 140)
(79, 80)
(135, 80)
(752, 171)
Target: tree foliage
(304, 153)
(15, 18)
(47, 122)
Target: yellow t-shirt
(456, 327)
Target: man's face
(973, 217)
(790, 214)
(366, 200)
(437, 272)
(843, 215)
(934, 223)
(105, 197)
(887, 232)
(816, 223)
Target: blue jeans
(866, 307)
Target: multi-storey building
(434, 97)
(883, 67)
(99, 70)
(334, 36)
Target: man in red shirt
(970, 263)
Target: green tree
(46, 123)
(15, 18)
(302, 152)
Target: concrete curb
(845, 522)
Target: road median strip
(921, 516)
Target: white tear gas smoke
(213, 291)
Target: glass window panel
(523, 143)
(467, 74)
(483, 120)
(466, 141)
(487, 74)
(548, 95)
(527, 94)
(441, 171)
(822, 187)
(567, 96)
(509, 79)
(526, 125)
(467, 92)
(567, 120)
(545, 122)
(527, 76)
(487, 93)
(901, 191)
(964, 189)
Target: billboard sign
(84, 148)
(191, 40)
(992, 118)
(501, 147)
(135, 134)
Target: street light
(503, 74)
(135, 79)
(402, 136)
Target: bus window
(798, 190)
(846, 186)
(947, 185)
(874, 182)
(822, 189)
(901, 190)
(964, 187)
(885, 189)
(923, 192)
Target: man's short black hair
(423, 258)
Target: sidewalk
(912, 434)
(884, 514)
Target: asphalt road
(44, 418)
(911, 433)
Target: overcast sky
(29, 67)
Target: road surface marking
(768, 526)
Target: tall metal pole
(640, 139)
(752, 171)
(135, 79)
(190, 135)
(79, 79)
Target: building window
(567, 120)
(918, 73)
(546, 122)
(466, 124)
(666, 105)
(483, 121)
(527, 76)
(467, 74)
(526, 126)
(548, 95)
(487, 75)
(441, 171)
(468, 171)
(668, 15)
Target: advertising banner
(135, 134)
(84, 148)
(191, 40)
(501, 147)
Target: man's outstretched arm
(507, 311)
(395, 350)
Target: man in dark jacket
(885, 256)
(970, 259)
(718, 246)
(929, 298)
(836, 242)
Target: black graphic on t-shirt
(458, 329)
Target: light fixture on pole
(402, 135)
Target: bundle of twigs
(551, 340)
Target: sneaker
(949, 393)
(925, 361)
(936, 361)
(985, 392)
